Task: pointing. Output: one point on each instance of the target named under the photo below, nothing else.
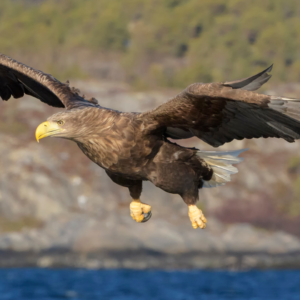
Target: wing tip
(251, 83)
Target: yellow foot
(196, 216)
(140, 212)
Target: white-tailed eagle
(134, 147)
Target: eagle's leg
(197, 217)
(140, 212)
(190, 196)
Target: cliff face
(53, 197)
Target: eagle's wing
(17, 79)
(218, 113)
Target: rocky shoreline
(145, 259)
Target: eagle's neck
(109, 140)
(91, 123)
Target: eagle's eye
(60, 122)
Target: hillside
(154, 43)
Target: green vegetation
(158, 43)
(7, 225)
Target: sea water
(50, 284)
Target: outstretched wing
(17, 79)
(218, 113)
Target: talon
(203, 218)
(196, 216)
(140, 212)
(147, 216)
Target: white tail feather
(222, 165)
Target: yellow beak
(47, 129)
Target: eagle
(135, 147)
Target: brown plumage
(133, 147)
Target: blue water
(49, 284)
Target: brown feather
(251, 83)
(217, 114)
(17, 78)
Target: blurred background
(58, 209)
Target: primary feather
(17, 79)
(251, 83)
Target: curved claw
(147, 217)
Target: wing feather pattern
(17, 79)
(218, 113)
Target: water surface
(50, 284)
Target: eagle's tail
(222, 165)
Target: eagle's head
(70, 124)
